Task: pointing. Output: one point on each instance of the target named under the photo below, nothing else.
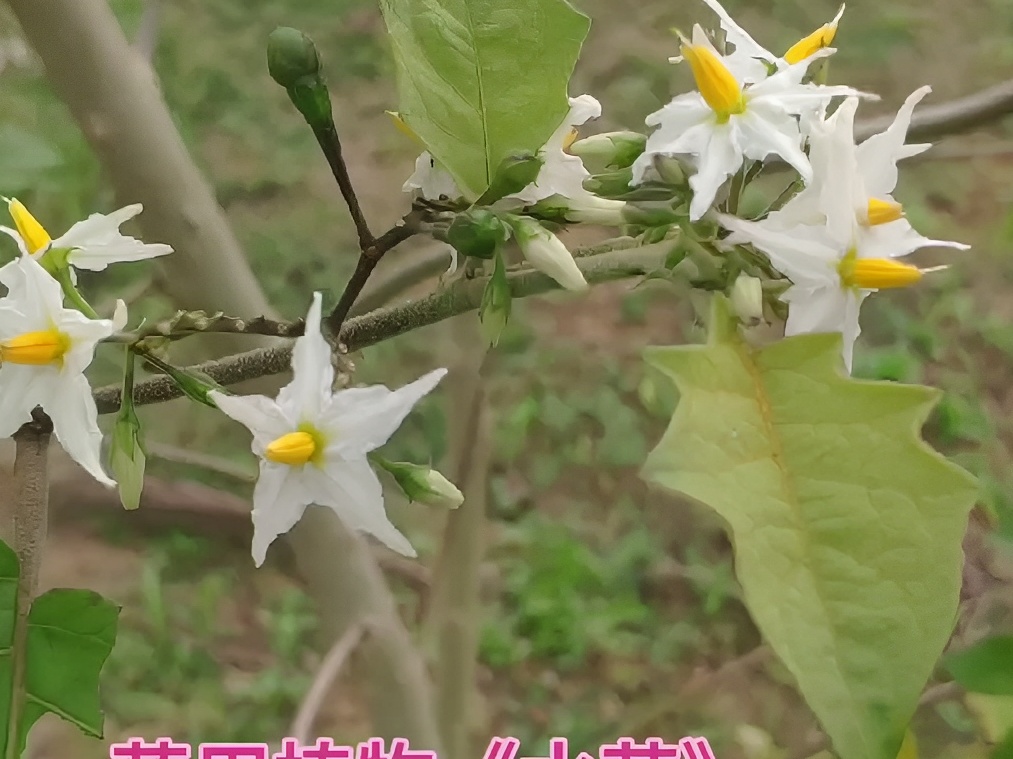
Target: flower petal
(75, 423)
(259, 414)
(313, 373)
(363, 419)
(279, 500)
(877, 157)
(431, 180)
(721, 158)
(353, 491)
(22, 388)
(97, 241)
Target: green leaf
(985, 667)
(847, 526)
(481, 79)
(68, 636)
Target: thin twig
(31, 505)
(383, 324)
(330, 144)
(206, 461)
(330, 668)
(369, 257)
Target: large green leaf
(67, 639)
(481, 79)
(847, 526)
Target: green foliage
(985, 667)
(480, 81)
(67, 638)
(847, 527)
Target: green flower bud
(477, 232)
(670, 169)
(127, 458)
(291, 57)
(611, 184)
(612, 150)
(514, 173)
(747, 299)
(494, 311)
(422, 484)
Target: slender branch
(384, 286)
(329, 670)
(383, 324)
(31, 494)
(368, 259)
(330, 144)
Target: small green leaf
(847, 526)
(68, 637)
(985, 667)
(481, 79)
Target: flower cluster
(836, 240)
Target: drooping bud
(477, 232)
(612, 150)
(814, 42)
(747, 299)
(291, 57)
(494, 311)
(421, 484)
(32, 232)
(717, 85)
(883, 211)
(514, 173)
(546, 252)
(127, 458)
(594, 210)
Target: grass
(608, 597)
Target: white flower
(431, 180)
(729, 120)
(44, 350)
(546, 252)
(750, 62)
(93, 244)
(561, 173)
(312, 444)
(831, 241)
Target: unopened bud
(611, 184)
(546, 252)
(747, 299)
(651, 213)
(670, 169)
(291, 56)
(612, 150)
(477, 232)
(587, 208)
(514, 173)
(494, 311)
(423, 485)
(127, 459)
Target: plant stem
(330, 144)
(63, 277)
(375, 327)
(31, 503)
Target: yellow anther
(884, 211)
(35, 348)
(719, 88)
(34, 234)
(403, 127)
(812, 43)
(877, 273)
(294, 449)
(571, 137)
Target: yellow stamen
(884, 211)
(719, 88)
(35, 236)
(403, 127)
(570, 138)
(294, 449)
(35, 348)
(876, 273)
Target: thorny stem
(31, 502)
(386, 323)
(368, 259)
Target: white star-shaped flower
(44, 350)
(729, 120)
(431, 180)
(835, 241)
(312, 444)
(92, 244)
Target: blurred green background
(609, 609)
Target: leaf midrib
(481, 92)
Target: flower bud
(670, 169)
(127, 459)
(610, 184)
(546, 252)
(291, 57)
(477, 232)
(612, 150)
(514, 173)
(747, 299)
(422, 484)
(595, 210)
(494, 311)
